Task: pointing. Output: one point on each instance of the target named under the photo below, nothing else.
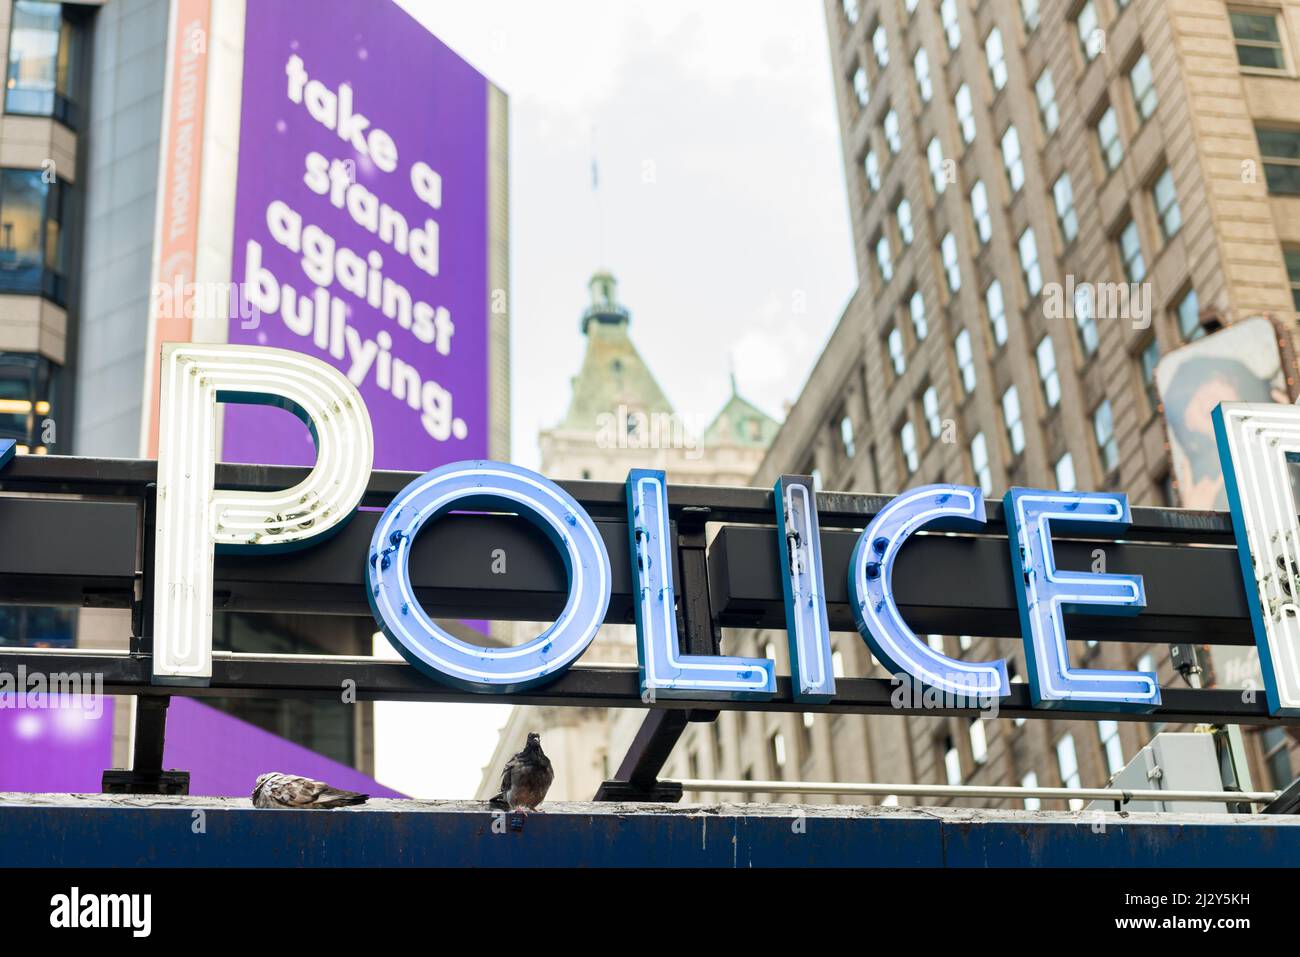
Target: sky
(721, 209)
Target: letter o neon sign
(496, 486)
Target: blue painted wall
(387, 835)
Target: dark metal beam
(637, 778)
(87, 553)
(72, 474)
(963, 585)
(581, 686)
(1288, 802)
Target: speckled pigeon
(526, 777)
(293, 791)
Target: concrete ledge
(51, 830)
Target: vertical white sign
(1258, 442)
(194, 518)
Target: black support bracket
(637, 778)
(146, 775)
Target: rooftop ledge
(96, 830)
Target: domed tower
(614, 397)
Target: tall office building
(79, 138)
(1008, 162)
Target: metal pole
(973, 791)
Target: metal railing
(973, 791)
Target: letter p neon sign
(194, 518)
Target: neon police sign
(194, 519)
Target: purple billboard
(64, 744)
(361, 227)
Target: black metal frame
(91, 545)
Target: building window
(1165, 197)
(1029, 267)
(776, 747)
(1045, 92)
(1168, 490)
(979, 742)
(1066, 218)
(33, 255)
(45, 57)
(1091, 37)
(1085, 320)
(1259, 45)
(1130, 253)
(1029, 14)
(884, 259)
(880, 44)
(1147, 362)
(837, 663)
(1277, 757)
(1030, 780)
(1188, 313)
(1067, 763)
(1112, 148)
(997, 58)
(871, 166)
(1103, 427)
(934, 154)
(979, 207)
(846, 437)
(951, 28)
(921, 64)
(965, 113)
(861, 87)
(1047, 373)
(893, 138)
(965, 361)
(897, 352)
(951, 268)
(1292, 256)
(979, 463)
(1111, 746)
(1280, 149)
(903, 216)
(1144, 88)
(907, 447)
(951, 761)
(27, 386)
(916, 309)
(930, 407)
(1011, 159)
(1011, 415)
(850, 10)
(1065, 477)
(997, 308)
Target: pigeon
(293, 791)
(526, 777)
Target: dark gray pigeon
(291, 790)
(526, 777)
